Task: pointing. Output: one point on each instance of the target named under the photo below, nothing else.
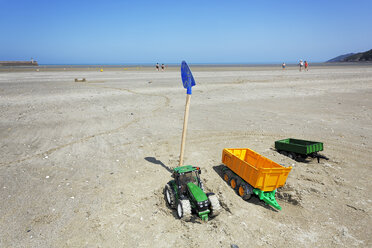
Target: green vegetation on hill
(340, 58)
(353, 57)
(366, 56)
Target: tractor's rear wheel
(170, 196)
(244, 191)
(184, 210)
(215, 206)
(202, 186)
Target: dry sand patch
(85, 163)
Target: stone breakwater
(18, 63)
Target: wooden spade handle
(188, 97)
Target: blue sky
(115, 32)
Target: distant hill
(366, 56)
(353, 57)
(340, 58)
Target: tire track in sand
(341, 147)
(84, 139)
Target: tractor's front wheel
(215, 206)
(184, 210)
(169, 196)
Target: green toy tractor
(186, 194)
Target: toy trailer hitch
(204, 215)
(268, 197)
(319, 156)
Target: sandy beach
(84, 164)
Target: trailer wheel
(169, 196)
(284, 153)
(300, 158)
(227, 176)
(184, 210)
(245, 191)
(233, 183)
(291, 155)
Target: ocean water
(149, 65)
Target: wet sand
(84, 164)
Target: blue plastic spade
(188, 81)
(187, 78)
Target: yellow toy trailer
(248, 172)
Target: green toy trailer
(186, 194)
(299, 149)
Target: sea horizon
(269, 64)
(173, 65)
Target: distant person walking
(162, 67)
(301, 64)
(283, 65)
(306, 66)
(157, 66)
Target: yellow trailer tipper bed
(249, 172)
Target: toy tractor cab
(186, 194)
